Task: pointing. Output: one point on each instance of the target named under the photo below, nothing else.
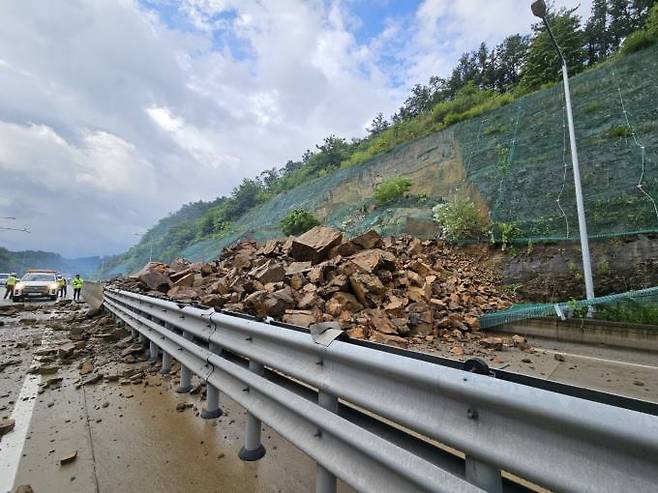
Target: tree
(510, 57)
(596, 33)
(622, 22)
(378, 124)
(269, 177)
(543, 65)
(333, 151)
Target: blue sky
(116, 112)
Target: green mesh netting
(634, 306)
(514, 160)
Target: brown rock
(314, 245)
(6, 426)
(68, 457)
(495, 343)
(302, 318)
(183, 293)
(86, 368)
(298, 268)
(380, 322)
(270, 271)
(375, 259)
(365, 285)
(156, 281)
(24, 488)
(186, 280)
(390, 340)
(341, 302)
(370, 239)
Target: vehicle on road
(37, 284)
(3, 278)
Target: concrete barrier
(615, 334)
(92, 292)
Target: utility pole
(540, 10)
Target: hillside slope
(19, 261)
(513, 161)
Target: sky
(114, 113)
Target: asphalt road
(131, 437)
(126, 438)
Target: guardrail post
(153, 352)
(185, 374)
(325, 481)
(483, 475)
(253, 449)
(212, 410)
(166, 363)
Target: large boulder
(314, 245)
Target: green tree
(510, 57)
(297, 222)
(622, 22)
(596, 33)
(378, 124)
(543, 65)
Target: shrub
(460, 219)
(615, 132)
(392, 189)
(297, 222)
(637, 41)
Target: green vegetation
(619, 132)
(460, 219)
(392, 189)
(20, 261)
(297, 222)
(484, 80)
(629, 311)
(645, 37)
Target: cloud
(116, 112)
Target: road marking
(12, 444)
(602, 360)
(11, 447)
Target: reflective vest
(11, 281)
(61, 282)
(77, 282)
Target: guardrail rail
(386, 421)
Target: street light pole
(539, 10)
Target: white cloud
(113, 116)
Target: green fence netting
(639, 306)
(514, 161)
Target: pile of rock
(382, 289)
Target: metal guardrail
(382, 421)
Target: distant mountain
(31, 259)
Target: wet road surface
(131, 437)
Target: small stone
(559, 357)
(6, 425)
(68, 458)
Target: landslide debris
(390, 290)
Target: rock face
(383, 289)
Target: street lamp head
(539, 9)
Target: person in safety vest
(77, 283)
(61, 287)
(10, 284)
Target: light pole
(540, 10)
(150, 247)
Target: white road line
(11, 447)
(12, 444)
(602, 360)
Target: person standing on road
(77, 283)
(61, 285)
(10, 284)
